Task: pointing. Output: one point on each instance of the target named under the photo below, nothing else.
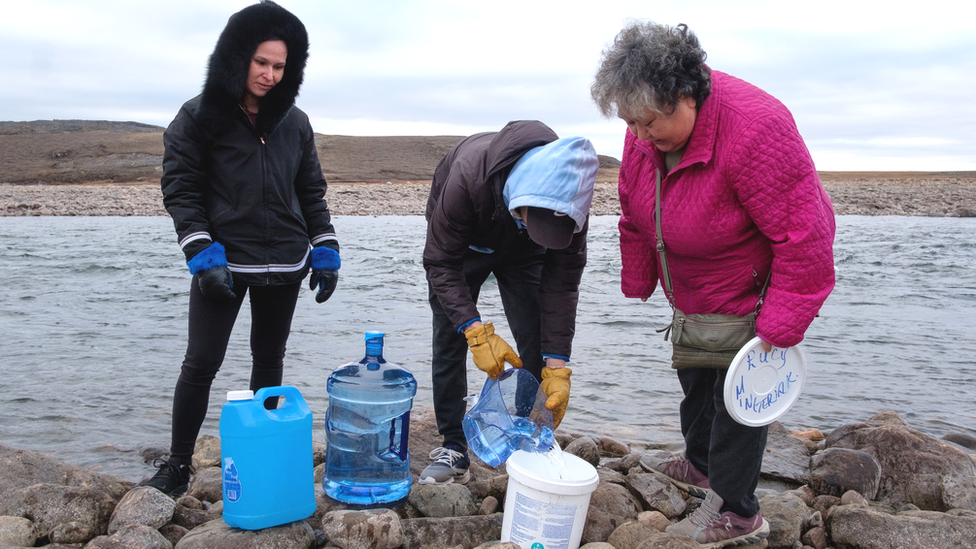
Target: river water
(93, 322)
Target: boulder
(631, 534)
(17, 531)
(915, 468)
(787, 457)
(143, 505)
(870, 528)
(586, 449)
(207, 484)
(49, 505)
(23, 468)
(610, 506)
(132, 536)
(206, 452)
(442, 500)
(837, 470)
(786, 514)
(657, 493)
(438, 533)
(612, 447)
(216, 533)
(71, 533)
(374, 528)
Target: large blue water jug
(266, 456)
(367, 426)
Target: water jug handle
(292, 395)
(400, 447)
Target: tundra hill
(87, 151)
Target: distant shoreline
(941, 194)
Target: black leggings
(210, 325)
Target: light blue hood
(558, 176)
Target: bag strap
(668, 286)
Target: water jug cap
(240, 395)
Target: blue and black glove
(210, 268)
(325, 272)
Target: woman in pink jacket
(742, 211)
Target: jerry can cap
(240, 395)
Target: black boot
(171, 478)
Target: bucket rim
(521, 474)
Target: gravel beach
(851, 195)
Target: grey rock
(143, 505)
(51, 504)
(206, 452)
(488, 506)
(915, 467)
(71, 533)
(191, 518)
(662, 540)
(374, 528)
(23, 468)
(658, 493)
(190, 502)
(586, 449)
(962, 439)
(494, 485)
(173, 532)
(207, 484)
(499, 545)
(597, 545)
(837, 470)
(132, 536)
(616, 477)
(612, 447)
(869, 528)
(217, 534)
(631, 534)
(787, 457)
(17, 531)
(442, 500)
(786, 514)
(438, 533)
(815, 537)
(624, 463)
(610, 506)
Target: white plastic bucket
(545, 507)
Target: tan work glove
(555, 384)
(490, 351)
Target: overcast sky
(873, 85)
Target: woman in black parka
(242, 182)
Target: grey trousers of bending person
(728, 452)
(518, 276)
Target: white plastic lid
(760, 387)
(240, 395)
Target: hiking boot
(679, 471)
(450, 465)
(712, 529)
(170, 478)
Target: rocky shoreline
(872, 485)
(906, 196)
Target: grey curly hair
(651, 66)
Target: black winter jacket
(258, 189)
(465, 208)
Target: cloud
(868, 84)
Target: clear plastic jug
(367, 428)
(509, 415)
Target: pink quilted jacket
(744, 199)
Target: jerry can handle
(293, 397)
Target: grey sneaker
(712, 529)
(679, 471)
(450, 465)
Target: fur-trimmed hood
(231, 60)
